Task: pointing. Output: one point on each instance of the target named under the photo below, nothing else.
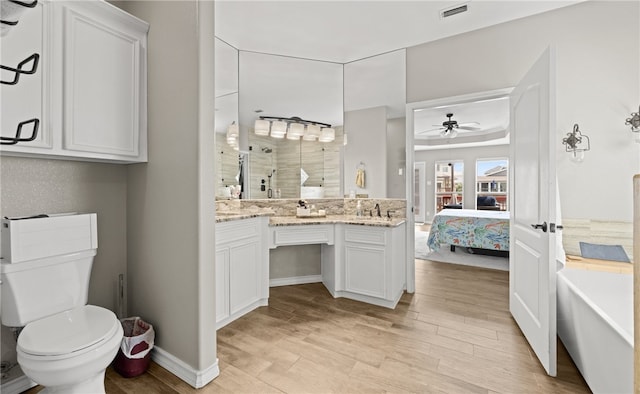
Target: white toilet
(65, 345)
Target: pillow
(486, 201)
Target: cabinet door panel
(101, 86)
(244, 275)
(365, 270)
(222, 284)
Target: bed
(478, 231)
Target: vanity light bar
(294, 128)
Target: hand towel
(360, 178)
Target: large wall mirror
(283, 87)
(250, 85)
(226, 114)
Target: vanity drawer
(366, 235)
(302, 235)
(237, 229)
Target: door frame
(409, 163)
(421, 168)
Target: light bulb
(577, 156)
(261, 127)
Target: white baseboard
(17, 385)
(238, 314)
(295, 280)
(171, 363)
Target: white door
(532, 260)
(419, 191)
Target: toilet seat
(68, 334)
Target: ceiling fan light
(261, 127)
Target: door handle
(553, 227)
(542, 226)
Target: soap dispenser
(359, 208)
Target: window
(449, 184)
(492, 179)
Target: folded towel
(360, 178)
(604, 252)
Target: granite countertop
(226, 216)
(344, 219)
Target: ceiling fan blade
(430, 131)
(469, 124)
(471, 128)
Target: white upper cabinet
(96, 92)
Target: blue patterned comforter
(470, 228)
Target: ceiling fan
(450, 127)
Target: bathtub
(595, 324)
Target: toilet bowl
(65, 345)
(69, 351)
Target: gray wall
(466, 155)
(170, 218)
(33, 186)
(367, 135)
(598, 86)
(294, 261)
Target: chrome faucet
(377, 208)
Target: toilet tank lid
(68, 332)
(53, 235)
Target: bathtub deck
(599, 265)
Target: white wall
(468, 156)
(367, 136)
(377, 81)
(598, 86)
(170, 217)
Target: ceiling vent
(453, 11)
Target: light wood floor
(454, 335)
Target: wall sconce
(233, 132)
(573, 143)
(634, 121)
(294, 128)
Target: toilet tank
(46, 266)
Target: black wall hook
(35, 58)
(18, 138)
